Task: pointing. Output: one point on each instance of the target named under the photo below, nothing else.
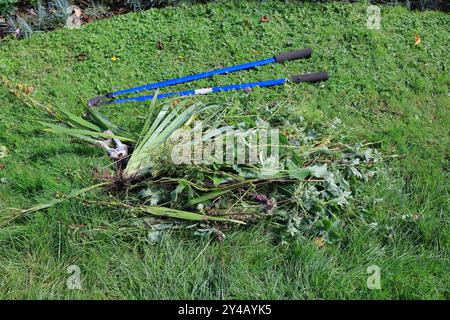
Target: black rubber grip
(293, 55)
(310, 77)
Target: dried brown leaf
(418, 39)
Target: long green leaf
(106, 124)
(77, 132)
(218, 192)
(146, 129)
(4, 220)
(162, 126)
(178, 122)
(146, 136)
(206, 197)
(184, 215)
(79, 122)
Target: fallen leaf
(2, 166)
(28, 90)
(319, 242)
(87, 18)
(159, 45)
(264, 19)
(82, 56)
(418, 39)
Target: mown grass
(381, 85)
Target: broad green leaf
(295, 172)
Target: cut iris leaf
(105, 124)
(162, 128)
(184, 215)
(80, 132)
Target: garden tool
(115, 97)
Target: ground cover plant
(385, 90)
(23, 19)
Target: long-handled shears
(114, 97)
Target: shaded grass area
(381, 85)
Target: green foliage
(19, 27)
(96, 10)
(7, 6)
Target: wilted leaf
(418, 39)
(206, 197)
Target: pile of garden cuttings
(306, 196)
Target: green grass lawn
(381, 86)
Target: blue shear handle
(239, 86)
(194, 77)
